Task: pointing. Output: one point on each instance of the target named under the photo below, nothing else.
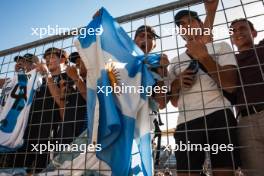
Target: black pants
(215, 133)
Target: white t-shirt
(205, 96)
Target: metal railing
(170, 43)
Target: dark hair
(146, 28)
(27, 57)
(243, 20)
(58, 52)
(74, 56)
(183, 13)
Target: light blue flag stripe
(116, 130)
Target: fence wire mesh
(204, 101)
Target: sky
(19, 16)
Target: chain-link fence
(203, 113)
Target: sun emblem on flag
(113, 74)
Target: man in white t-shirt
(202, 77)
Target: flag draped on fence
(14, 115)
(123, 125)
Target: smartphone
(194, 66)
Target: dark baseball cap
(183, 13)
(149, 29)
(28, 57)
(74, 56)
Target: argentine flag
(14, 115)
(120, 122)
